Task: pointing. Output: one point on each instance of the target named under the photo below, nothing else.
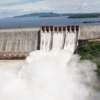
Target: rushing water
(49, 21)
(46, 40)
(58, 40)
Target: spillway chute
(45, 39)
(58, 38)
(48, 40)
(70, 37)
(42, 38)
(74, 36)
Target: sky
(10, 8)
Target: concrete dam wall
(18, 43)
(89, 32)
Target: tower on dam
(18, 43)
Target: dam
(18, 43)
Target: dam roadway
(18, 43)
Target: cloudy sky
(9, 8)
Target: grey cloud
(60, 6)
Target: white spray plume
(54, 75)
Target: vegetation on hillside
(91, 21)
(84, 16)
(90, 51)
(44, 14)
(50, 16)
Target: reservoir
(46, 21)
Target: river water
(48, 21)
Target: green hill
(44, 14)
(51, 14)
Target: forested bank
(90, 50)
(91, 21)
(84, 16)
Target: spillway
(57, 38)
